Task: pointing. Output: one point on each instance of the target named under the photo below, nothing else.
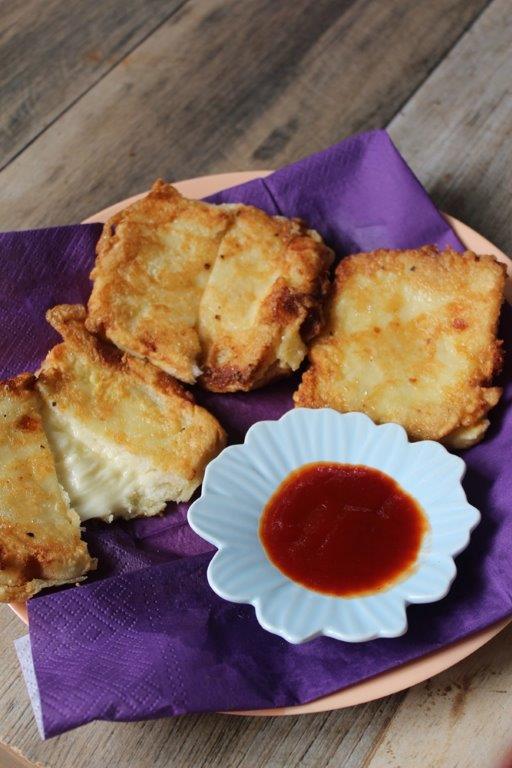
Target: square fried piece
(126, 436)
(410, 338)
(220, 293)
(40, 542)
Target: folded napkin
(145, 636)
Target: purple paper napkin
(146, 637)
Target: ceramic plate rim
(416, 670)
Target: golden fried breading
(411, 338)
(153, 263)
(40, 542)
(126, 436)
(265, 287)
(222, 290)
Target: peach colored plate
(414, 671)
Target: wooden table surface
(98, 99)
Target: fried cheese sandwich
(223, 294)
(40, 542)
(126, 436)
(410, 337)
(97, 434)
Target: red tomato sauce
(342, 529)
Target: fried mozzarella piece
(40, 542)
(410, 337)
(125, 435)
(221, 293)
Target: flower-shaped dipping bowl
(240, 481)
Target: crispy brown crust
(69, 321)
(40, 542)
(241, 326)
(132, 309)
(23, 382)
(238, 356)
(395, 319)
(30, 566)
(128, 403)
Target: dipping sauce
(342, 529)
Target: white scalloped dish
(240, 481)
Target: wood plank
(213, 741)
(51, 52)
(10, 758)
(456, 131)
(311, 740)
(230, 85)
(460, 718)
(457, 718)
(14, 704)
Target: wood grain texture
(210, 91)
(227, 84)
(460, 718)
(195, 741)
(51, 52)
(456, 132)
(11, 758)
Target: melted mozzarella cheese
(101, 483)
